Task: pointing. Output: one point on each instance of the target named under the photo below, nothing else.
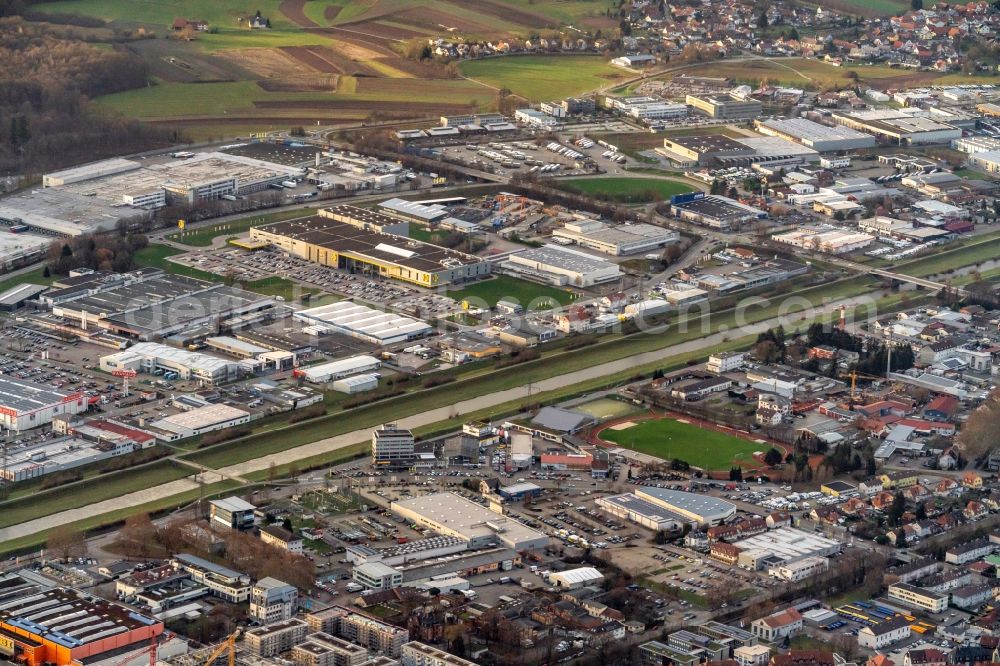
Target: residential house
(777, 626)
(885, 633)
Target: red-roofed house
(777, 626)
(941, 408)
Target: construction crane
(853, 375)
(230, 645)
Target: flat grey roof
(205, 565)
(21, 293)
(704, 505)
(802, 128)
(553, 255)
(635, 504)
(24, 396)
(555, 418)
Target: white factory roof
(357, 380)
(789, 543)
(520, 488)
(376, 569)
(357, 319)
(92, 170)
(553, 255)
(11, 245)
(189, 359)
(196, 419)
(341, 366)
(938, 207)
(776, 146)
(582, 575)
(234, 504)
(413, 209)
(236, 344)
(813, 131)
(465, 517)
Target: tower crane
(853, 376)
(228, 645)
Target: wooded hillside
(46, 82)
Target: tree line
(48, 79)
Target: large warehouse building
(617, 241)
(362, 322)
(714, 211)
(561, 266)
(725, 107)
(150, 303)
(785, 545)
(818, 137)
(453, 515)
(898, 126)
(345, 367)
(347, 247)
(25, 405)
(150, 357)
(60, 626)
(658, 508)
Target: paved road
(415, 421)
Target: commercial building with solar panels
(658, 508)
(344, 246)
(25, 405)
(815, 135)
(41, 625)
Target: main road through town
(172, 488)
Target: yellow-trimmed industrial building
(351, 248)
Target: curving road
(423, 419)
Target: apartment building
(917, 597)
(275, 638)
(416, 653)
(323, 649)
(272, 600)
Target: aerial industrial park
(340, 333)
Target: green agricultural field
(864, 7)
(626, 190)
(587, 12)
(796, 72)
(529, 294)
(539, 78)
(219, 13)
(168, 100)
(669, 439)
